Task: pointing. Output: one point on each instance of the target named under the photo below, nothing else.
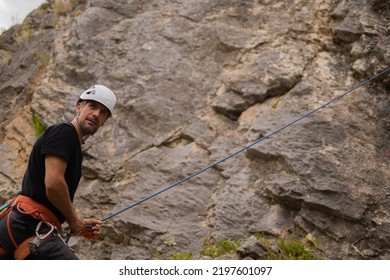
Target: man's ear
(78, 107)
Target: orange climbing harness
(28, 206)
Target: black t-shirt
(62, 140)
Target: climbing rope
(307, 114)
(248, 146)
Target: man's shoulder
(61, 127)
(61, 130)
(59, 139)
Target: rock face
(197, 81)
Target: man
(29, 224)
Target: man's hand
(76, 225)
(91, 228)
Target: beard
(86, 128)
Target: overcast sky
(14, 11)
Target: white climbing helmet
(101, 94)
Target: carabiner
(44, 237)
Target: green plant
(287, 249)
(170, 240)
(38, 125)
(76, 2)
(295, 250)
(181, 256)
(264, 240)
(78, 13)
(62, 7)
(222, 247)
(41, 58)
(44, 6)
(292, 250)
(24, 34)
(158, 256)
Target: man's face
(91, 116)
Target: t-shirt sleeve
(59, 141)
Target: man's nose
(95, 112)
(98, 113)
